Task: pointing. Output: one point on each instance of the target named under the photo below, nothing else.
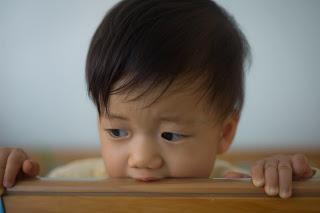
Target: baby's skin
(274, 173)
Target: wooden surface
(169, 195)
(216, 187)
(85, 204)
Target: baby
(167, 78)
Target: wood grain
(187, 186)
(169, 195)
(85, 204)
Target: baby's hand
(13, 162)
(277, 172)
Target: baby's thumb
(30, 168)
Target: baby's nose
(142, 162)
(145, 155)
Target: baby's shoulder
(222, 166)
(84, 168)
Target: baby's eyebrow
(116, 116)
(171, 118)
(176, 119)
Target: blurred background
(43, 99)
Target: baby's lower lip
(147, 179)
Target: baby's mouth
(147, 179)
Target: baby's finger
(285, 178)
(30, 168)
(257, 173)
(271, 177)
(4, 153)
(14, 163)
(301, 166)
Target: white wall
(43, 45)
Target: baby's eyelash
(166, 134)
(111, 132)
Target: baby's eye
(170, 136)
(117, 133)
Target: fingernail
(7, 184)
(285, 193)
(257, 183)
(272, 191)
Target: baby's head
(167, 78)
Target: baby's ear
(228, 132)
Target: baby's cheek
(191, 168)
(115, 170)
(115, 166)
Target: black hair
(152, 43)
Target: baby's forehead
(183, 97)
(179, 106)
(183, 88)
